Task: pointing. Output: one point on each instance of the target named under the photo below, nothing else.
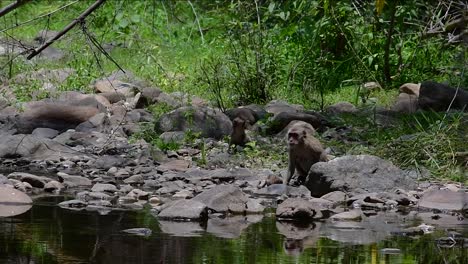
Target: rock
(32, 147)
(41, 132)
(108, 161)
(283, 189)
(183, 194)
(353, 215)
(405, 103)
(223, 197)
(54, 115)
(53, 186)
(360, 173)
(341, 108)
(444, 200)
(73, 204)
(335, 197)
(172, 136)
(211, 123)
(71, 181)
(13, 196)
(35, 181)
(135, 179)
(13, 202)
(144, 232)
(104, 187)
(183, 210)
(246, 114)
(44, 35)
(297, 208)
(277, 106)
(139, 194)
(254, 207)
(439, 97)
(109, 86)
(410, 88)
(174, 165)
(281, 120)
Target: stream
(47, 233)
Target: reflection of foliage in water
(48, 234)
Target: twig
(39, 17)
(67, 28)
(198, 22)
(7, 9)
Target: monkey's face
(238, 124)
(295, 138)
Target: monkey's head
(296, 137)
(239, 124)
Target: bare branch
(67, 28)
(7, 9)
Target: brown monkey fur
(304, 150)
(238, 135)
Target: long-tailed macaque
(238, 135)
(304, 150)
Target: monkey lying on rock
(304, 150)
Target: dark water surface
(49, 234)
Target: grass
(160, 43)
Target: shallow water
(49, 234)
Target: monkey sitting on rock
(304, 150)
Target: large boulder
(356, 173)
(32, 147)
(439, 97)
(224, 198)
(209, 122)
(54, 115)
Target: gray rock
(144, 232)
(35, 181)
(444, 200)
(353, 215)
(13, 202)
(283, 189)
(172, 136)
(13, 196)
(223, 197)
(32, 147)
(104, 187)
(73, 204)
(360, 173)
(341, 107)
(174, 165)
(135, 179)
(209, 122)
(45, 132)
(73, 181)
(183, 210)
(254, 207)
(335, 197)
(53, 186)
(297, 208)
(282, 120)
(277, 106)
